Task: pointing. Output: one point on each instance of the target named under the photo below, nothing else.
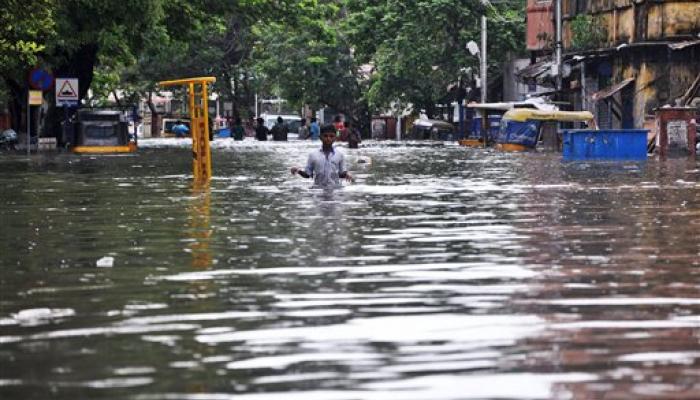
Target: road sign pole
(29, 122)
(65, 124)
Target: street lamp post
(481, 55)
(557, 45)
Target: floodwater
(441, 273)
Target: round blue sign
(40, 79)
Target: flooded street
(442, 273)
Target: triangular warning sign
(67, 90)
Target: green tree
(24, 34)
(417, 47)
(308, 60)
(203, 38)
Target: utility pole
(482, 67)
(557, 45)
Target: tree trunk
(17, 106)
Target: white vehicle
(292, 121)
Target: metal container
(606, 144)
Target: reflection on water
(442, 273)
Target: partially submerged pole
(199, 123)
(484, 79)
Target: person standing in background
(237, 131)
(351, 135)
(303, 130)
(315, 129)
(261, 130)
(280, 130)
(338, 124)
(250, 127)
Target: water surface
(441, 273)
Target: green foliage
(307, 61)
(417, 48)
(307, 51)
(587, 32)
(24, 32)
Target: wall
(661, 76)
(540, 27)
(628, 22)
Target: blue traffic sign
(40, 79)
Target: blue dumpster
(605, 144)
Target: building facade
(625, 58)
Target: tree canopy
(352, 55)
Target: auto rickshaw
(101, 131)
(521, 129)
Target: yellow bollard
(199, 123)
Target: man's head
(279, 120)
(327, 134)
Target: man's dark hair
(279, 120)
(328, 128)
(313, 119)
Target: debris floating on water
(38, 316)
(105, 262)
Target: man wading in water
(327, 165)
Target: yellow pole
(199, 124)
(194, 132)
(205, 133)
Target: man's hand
(294, 170)
(349, 177)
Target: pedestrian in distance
(237, 131)
(280, 131)
(261, 130)
(250, 127)
(327, 164)
(180, 129)
(338, 124)
(314, 129)
(303, 130)
(351, 135)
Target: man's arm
(304, 173)
(300, 172)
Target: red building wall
(540, 26)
